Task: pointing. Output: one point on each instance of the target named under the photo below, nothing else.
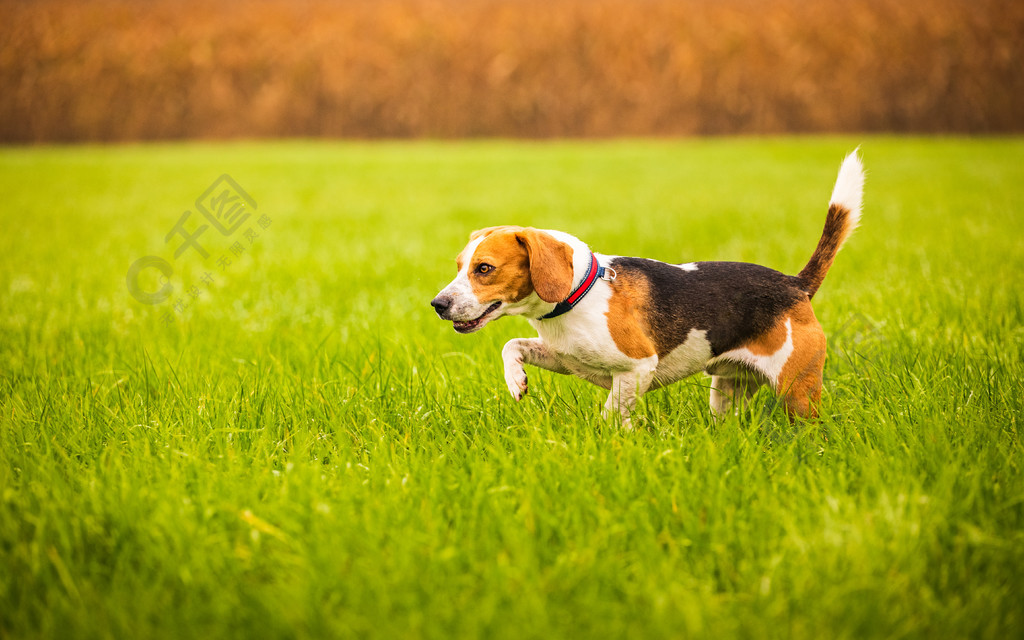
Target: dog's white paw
(614, 415)
(515, 378)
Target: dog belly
(683, 361)
(599, 376)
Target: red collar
(594, 272)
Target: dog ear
(550, 264)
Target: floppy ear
(550, 264)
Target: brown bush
(120, 70)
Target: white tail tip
(849, 188)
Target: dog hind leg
(799, 385)
(732, 393)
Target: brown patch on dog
(524, 260)
(462, 257)
(509, 280)
(489, 230)
(626, 316)
(769, 342)
(799, 383)
(550, 263)
(837, 228)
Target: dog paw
(613, 415)
(515, 378)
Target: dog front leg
(627, 387)
(530, 351)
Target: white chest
(581, 338)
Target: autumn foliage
(125, 70)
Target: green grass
(306, 451)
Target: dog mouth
(469, 326)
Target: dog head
(506, 271)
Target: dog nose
(441, 304)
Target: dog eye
(484, 268)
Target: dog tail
(843, 217)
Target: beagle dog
(631, 325)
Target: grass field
(304, 450)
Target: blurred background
(121, 70)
